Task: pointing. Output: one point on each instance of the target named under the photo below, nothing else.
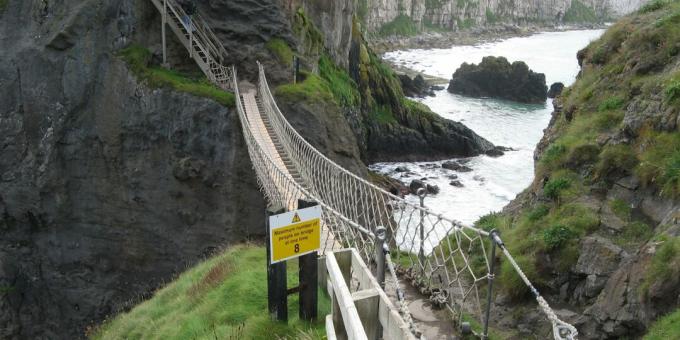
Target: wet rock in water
(498, 151)
(456, 166)
(430, 166)
(456, 183)
(495, 77)
(479, 178)
(401, 169)
(555, 90)
(415, 185)
(452, 176)
(432, 189)
(437, 87)
(416, 87)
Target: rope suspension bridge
(445, 259)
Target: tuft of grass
(554, 187)
(660, 162)
(281, 50)
(224, 297)
(538, 212)
(667, 327)
(621, 209)
(138, 57)
(615, 160)
(402, 25)
(665, 264)
(383, 114)
(611, 103)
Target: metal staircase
(203, 45)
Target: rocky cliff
(598, 231)
(108, 186)
(386, 16)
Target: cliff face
(598, 231)
(107, 187)
(460, 14)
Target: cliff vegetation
(224, 297)
(602, 214)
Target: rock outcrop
(555, 90)
(416, 86)
(108, 187)
(495, 77)
(604, 207)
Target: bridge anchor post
(494, 235)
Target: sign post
(276, 277)
(293, 234)
(309, 273)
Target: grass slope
(138, 57)
(665, 328)
(224, 297)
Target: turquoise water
(494, 181)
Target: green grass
(653, 6)
(621, 209)
(3, 5)
(402, 25)
(281, 50)
(224, 297)
(342, 86)
(554, 187)
(137, 57)
(665, 263)
(312, 89)
(491, 17)
(667, 327)
(611, 103)
(616, 159)
(660, 162)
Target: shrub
(553, 154)
(672, 91)
(557, 236)
(555, 186)
(583, 154)
(511, 283)
(611, 103)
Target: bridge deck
(264, 139)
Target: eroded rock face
(495, 77)
(107, 188)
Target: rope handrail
(441, 254)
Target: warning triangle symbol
(296, 218)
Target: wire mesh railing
(443, 257)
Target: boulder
(598, 259)
(456, 166)
(495, 77)
(555, 90)
(432, 189)
(415, 185)
(416, 87)
(456, 183)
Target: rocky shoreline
(480, 35)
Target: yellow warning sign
(302, 236)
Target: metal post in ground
(308, 278)
(495, 241)
(380, 251)
(421, 253)
(277, 295)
